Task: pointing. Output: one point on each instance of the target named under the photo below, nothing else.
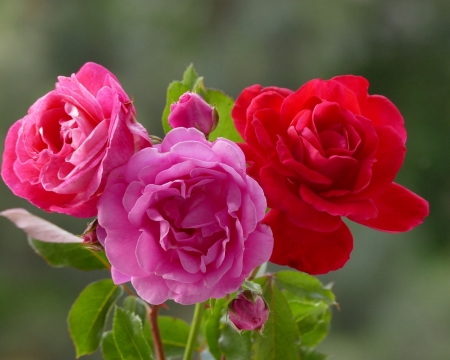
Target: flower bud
(192, 111)
(248, 311)
(89, 237)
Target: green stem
(195, 327)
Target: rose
(325, 151)
(59, 155)
(248, 311)
(181, 220)
(192, 111)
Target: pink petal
(152, 289)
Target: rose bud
(89, 236)
(192, 110)
(248, 311)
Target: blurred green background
(394, 293)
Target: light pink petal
(118, 277)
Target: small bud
(248, 311)
(192, 110)
(89, 237)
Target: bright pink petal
(93, 77)
(118, 277)
(399, 209)
(310, 251)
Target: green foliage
(109, 347)
(74, 255)
(137, 306)
(305, 286)
(281, 338)
(129, 337)
(250, 285)
(222, 102)
(88, 315)
(212, 328)
(233, 345)
(174, 335)
(308, 354)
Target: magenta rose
(181, 220)
(59, 155)
(326, 151)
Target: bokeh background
(394, 293)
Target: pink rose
(181, 220)
(59, 155)
(192, 111)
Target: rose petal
(306, 250)
(399, 209)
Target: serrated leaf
(174, 91)
(314, 329)
(38, 228)
(137, 306)
(88, 314)
(233, 345)
(109, 347)
(174, 335)
(308, 354)
(212, 329)
(305, 286)
(129, 337)
(224, 104)
(74, 255)
(281, 337)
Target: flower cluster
(186, 219)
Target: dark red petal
(399, 209)
(365, 209)
(389, 159)
(281, 194)
(325, 90)
(239, 112)
(306, 250)
(382, 111)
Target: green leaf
(315, 328)
(305, 286)
(308, 354)
(212, 329)
(252, 286)
(109, 347)
(88, 315)
(129, 337)
(281, 337)
(190, 77)
(224, 104)
(174, 335)
(302, 308)
(175, 90)
(137, 306)
(235, 346)
(74, 255)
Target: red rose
(325, 151)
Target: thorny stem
(195, 327)
(156, 335)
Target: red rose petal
(399, 209)
(281, 195)
(365, 209)
(306, 250)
